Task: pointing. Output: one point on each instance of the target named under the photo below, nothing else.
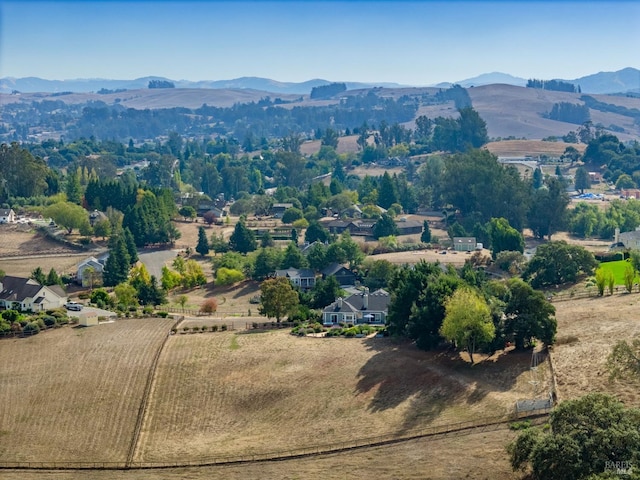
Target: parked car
(73, 306)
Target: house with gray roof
(343, 275)
(303, 278)
(361, 307)
(26, 294)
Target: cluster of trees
(588, 220)
(570, 113)
(161, 84)
(555, 85)
(617, 159)
(327, 91)
(186, 273)
(428, 306)
(259, 263)
(52, 278)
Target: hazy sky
(416, 43)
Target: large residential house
(304, 278)
(362, 307)
(344, 276)
(628, 240)
(26, 294)
(7, 215)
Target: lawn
(617, 269)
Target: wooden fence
(479, 425)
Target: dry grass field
(423, 459)
(237, 393)
(73, 394)
(587, 330)
(522, 148)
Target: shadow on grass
(433, 381)
(235, 290)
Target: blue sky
(414, 43)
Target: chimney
(339, 302)
(365, 299)
(616, 238)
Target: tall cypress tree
(116, 269)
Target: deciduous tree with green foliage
(587, 437)
(467, 321)
(68, 215)
(528, 315)
(277, 298)
(504, 237)
(557, 262)
(582, 179)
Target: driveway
(155, 260)
(99, 311)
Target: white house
(82, 276)
(464, 244)
(361, 307)
(26, 294)
(7, 215)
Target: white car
(73, 306)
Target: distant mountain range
(622, 81)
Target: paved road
(155, 260)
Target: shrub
(195, 329)
(147, 310)
(31, 328)
(228, 276)
(223, 327)
(162, 314)
(204, 328)
(84, 295)
(49, 320)
(11, 315)
(214, 328)
(185, 329)
(174, 330)
(210, 305)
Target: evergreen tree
(384, 227)
(74, 189)
(203, 244)
(116, 268)
(53, 278)
(426, 233)
(537, 178)
(242, 239)
(293, 258)
(387, 193)
(131, 246)
(39, 276)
